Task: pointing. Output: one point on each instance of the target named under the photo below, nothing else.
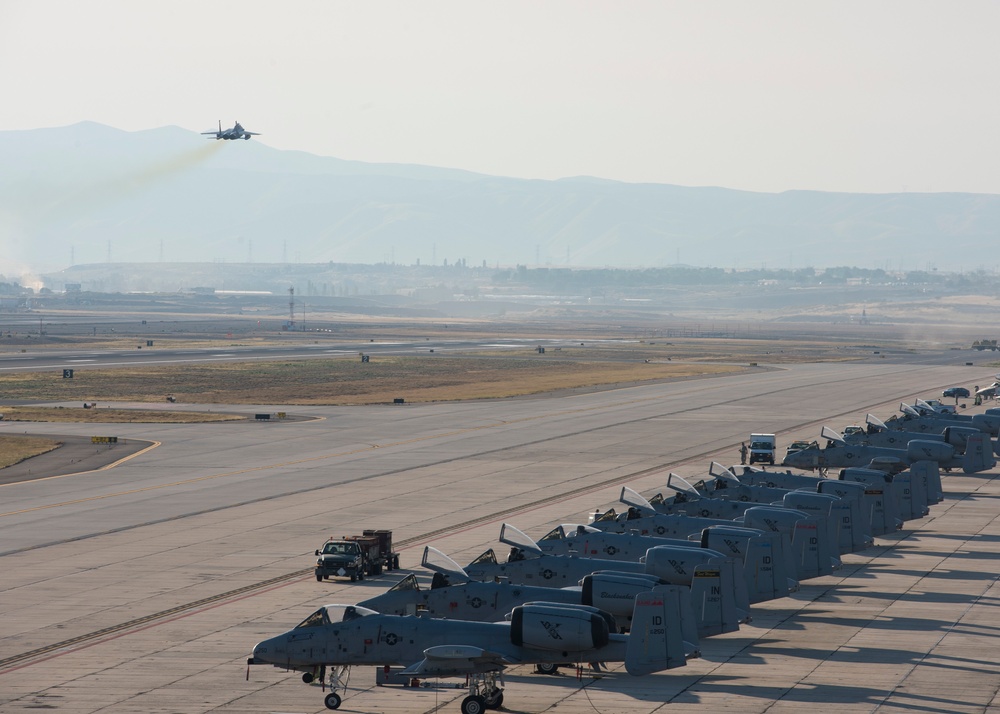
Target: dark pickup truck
(356, 556)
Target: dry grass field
(112, 416)
(345, 381)
(15, 449)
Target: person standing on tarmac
(743, 452)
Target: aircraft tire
(332, 701)
(395, 562)
(319, 577)
(353, 577)
(495, 699)
(473, 704)
(547, 668)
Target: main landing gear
(483, 693)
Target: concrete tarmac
(144, 587)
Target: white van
(762, 448)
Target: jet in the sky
(237, 132)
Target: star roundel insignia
(391, 638)
(660, 530)
(547, 574)
(849, 455)
(476, 602)
(610, 550)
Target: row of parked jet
(920, 432)
(641, 586)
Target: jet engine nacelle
(920, 450)
(990, 423)
(615, 592)
(958, 436)
(549, 627)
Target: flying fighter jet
(340, 636)
(237, 132)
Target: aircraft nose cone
(270, 651)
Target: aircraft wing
(451, 660)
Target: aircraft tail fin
(714, 599)
(656, 640)
(978, 454)
(930, 471)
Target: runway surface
(144, 587)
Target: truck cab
(762, 448)
(340, 557)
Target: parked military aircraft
(922, 417)
(839, 454)
(237, 132)
(453, 595)
(337, 637)
(878, 433)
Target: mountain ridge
(90, 193)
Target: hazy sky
(843, 96)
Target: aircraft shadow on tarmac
(802, 621)
(811, 695)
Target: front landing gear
(483, 693)
(338, 680)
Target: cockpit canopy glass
(406, 584)
(489, 557)
(335, 613)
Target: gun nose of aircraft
(272, 651)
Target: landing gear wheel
(494, 700)
(307, 677)
(547, 668)
(395, 563)
(473, 704)
(332, 701)
(361, 575)
(319, 577)
(353, 577)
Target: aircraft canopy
(335, 613)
